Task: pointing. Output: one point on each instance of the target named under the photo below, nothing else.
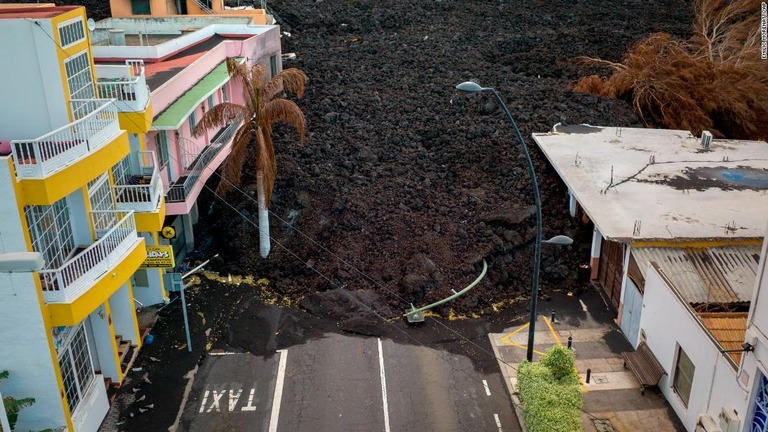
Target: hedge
(550, 392)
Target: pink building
(184, 68)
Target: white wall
(757, 326)
(669, 323)
(24, 348)
(122, 307)
(32, 97)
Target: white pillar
(124, 315)
(571, 204)
(104, 339)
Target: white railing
(96, 125)
(141, 189)
(126, 84)
(179, 191)
(76, 276)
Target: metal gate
(610, 269)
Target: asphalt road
(336, 383)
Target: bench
(644, 365)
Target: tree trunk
(264, 245)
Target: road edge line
(278, 396)
(383, 387)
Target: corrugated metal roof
(706, 275)
(728, 329)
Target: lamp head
(560, 240)
(471, 87)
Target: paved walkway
(612, 399)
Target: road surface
(337, 383)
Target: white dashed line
(487, 389)
(278, 391)
(383, 388)
(498, 422)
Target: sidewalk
(612, 399)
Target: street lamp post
(472, 87)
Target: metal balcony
(182, 187)
(79, 273)
(141, 189)
(96, 125)
(126, 84)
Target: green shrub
(13, 406)
(550, 393)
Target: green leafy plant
(12, 405)
(550, 392)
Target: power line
(341, 287)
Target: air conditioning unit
(729, 420)
(707, 424)
(706, 139)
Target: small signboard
(159, 257)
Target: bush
(550, 393)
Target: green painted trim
(177, 113)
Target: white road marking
(216, 398)
(205, 399)
(498, 422)
(278, 391)
(250, 406)
(383, 388)
(487, 389)
(233, 398)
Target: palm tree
(262, 108)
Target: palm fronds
(713, 81)
(260, 110)
(284, 110)
(219, 116)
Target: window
(161, 143)
(51, 232)
(100, 198)
(71, 32)
(211, 101)
(224, 95)
(760, 405)
(273, 64)
(79, 78)
(683, 381)
(140, 278)
(76, 366)
(140, 7)
(192, 121)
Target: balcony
(184, 187)
(141, 190)
(96, 126)
(117, 238)
(127, 85)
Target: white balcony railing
(143, 191)
(127, 84)
(77, 275)
(96, 125)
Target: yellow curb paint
(505, 338)
(552, 330)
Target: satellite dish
(91, 24)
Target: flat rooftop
(159, 72)
(16, 11)
(653, 184)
